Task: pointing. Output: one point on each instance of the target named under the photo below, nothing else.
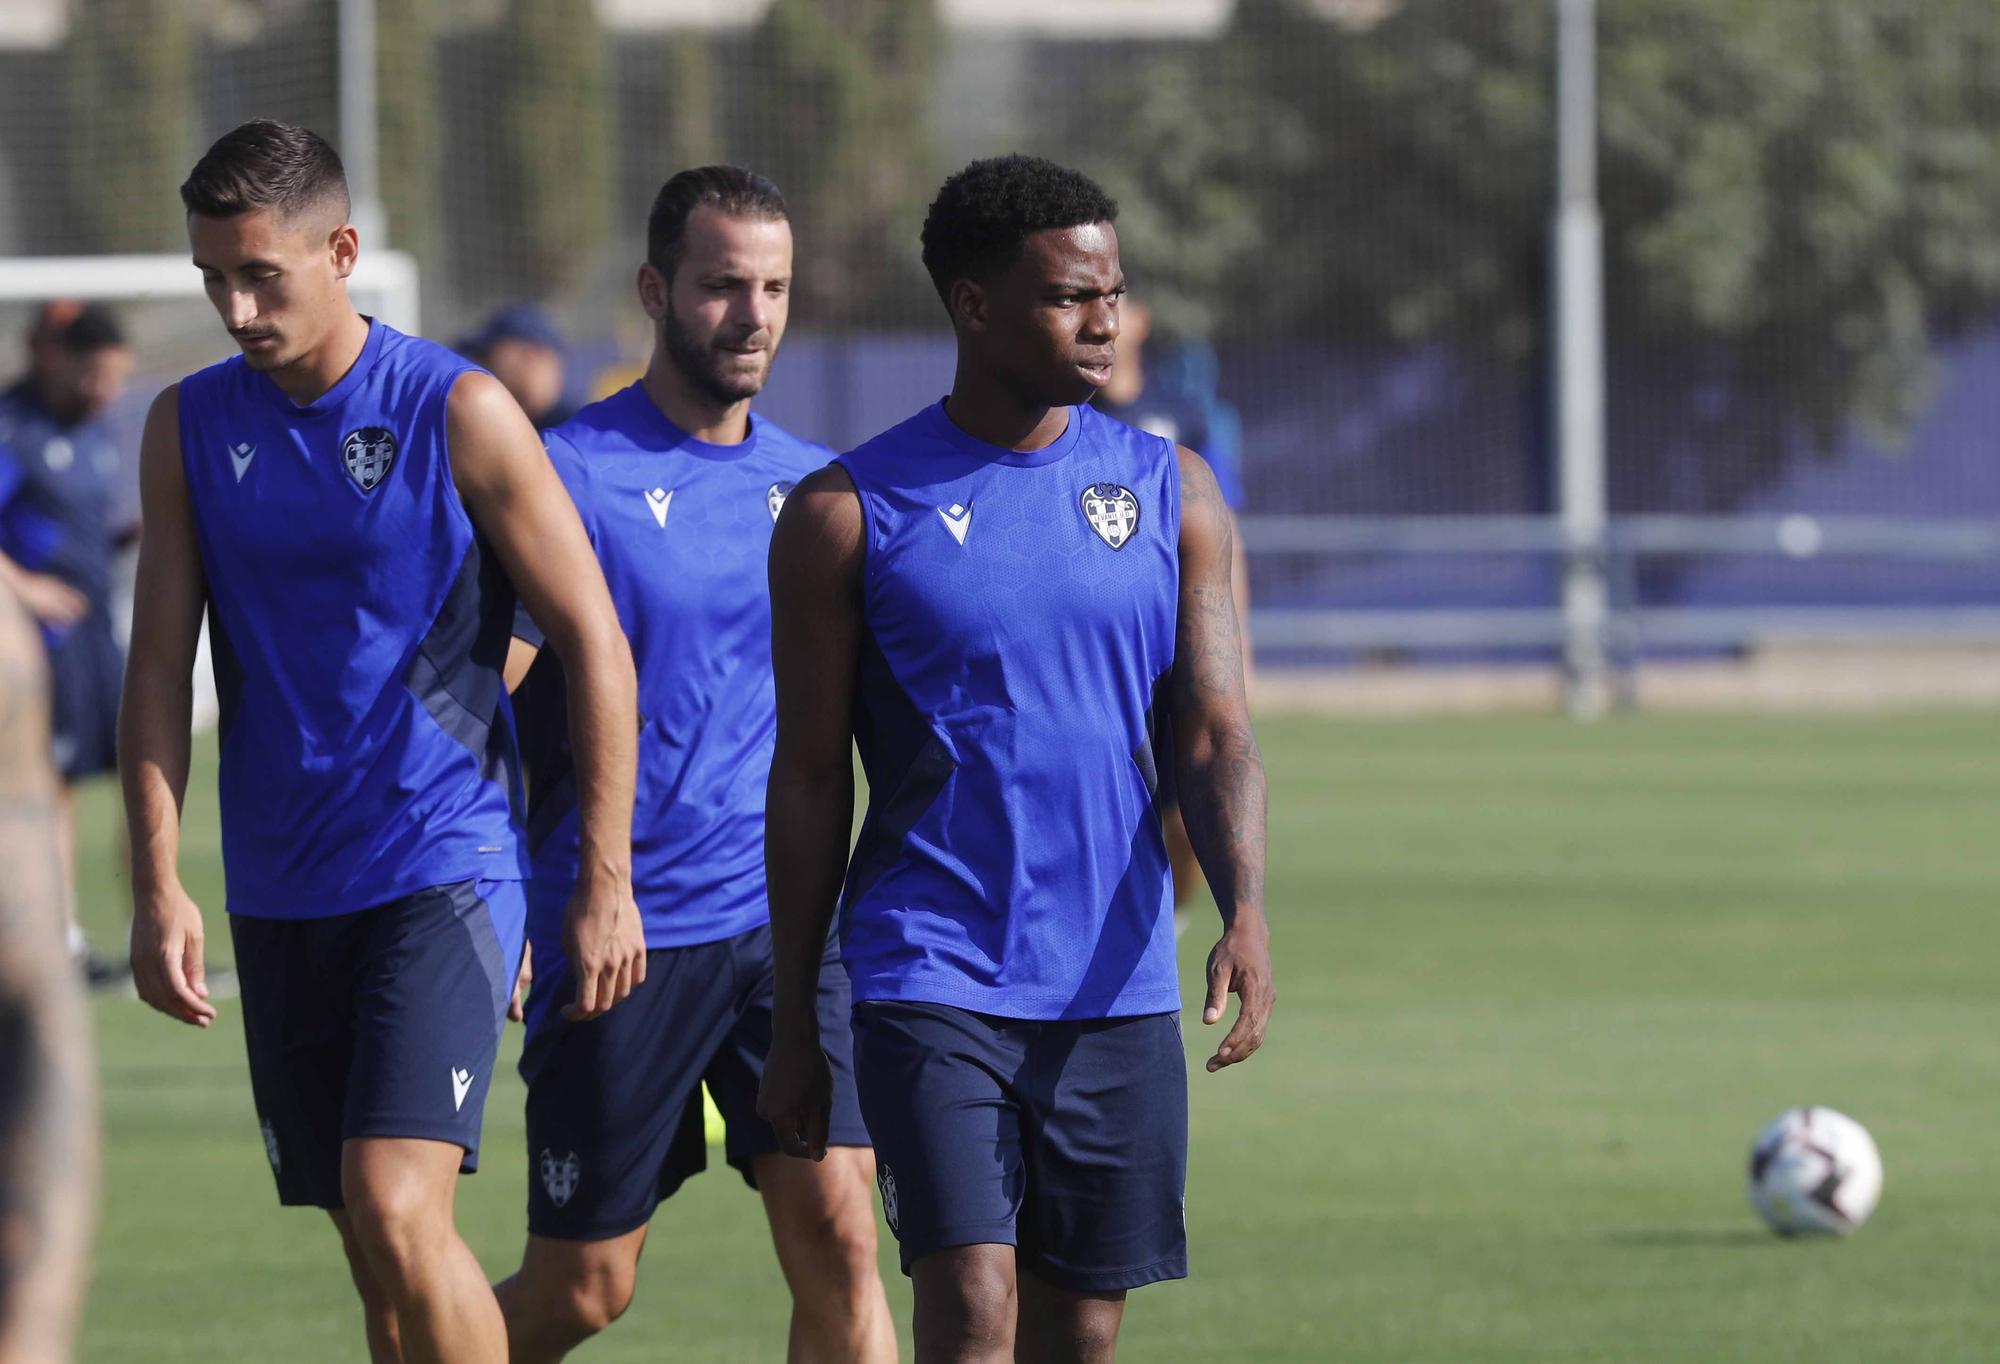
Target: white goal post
(173, 331)
(384, 282)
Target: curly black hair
(983, 215)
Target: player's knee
(851, 1250)
(979, 1308)
(375, 1298)
(396, 1225)
(1089, 1338)
(597, 1297)
(831, 1235)
(841, 1240)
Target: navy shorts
(381, 1023)
(86, 671)
(614, 1104)
(1066, 1140)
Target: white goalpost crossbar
(384, 283)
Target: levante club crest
(368, 453)
(559, 1175)
(1112, 512)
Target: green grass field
(1540, 986)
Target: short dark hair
(265, 164)
(730, 190)
(983, 215)
(77, 327)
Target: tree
(129, 78)
(692, 132)
(406, 82)
(844, 136)
(555, 116)
(1810, 186)
(1797, 196)
(1186, 225)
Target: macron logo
(957, 520)
(461, 1084)
(240, 456)
(658, 500)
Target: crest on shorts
(271, 1145)
(891, 1209)
(1112, 512)
(368, 453)
(775, 496)
(559, 1176)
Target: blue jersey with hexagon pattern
(683, 529)
(359, 625)
(1019, 613)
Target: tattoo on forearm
(1220, 769)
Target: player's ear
(653, 289)
(969, 305)
(344, 244)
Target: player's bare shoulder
(478, 411)
(488, 438)
(821, 525)
(1205, 517)
(477, 396)
(160, 439)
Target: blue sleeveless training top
(359, 626)
(1019, 613)
(683, 530)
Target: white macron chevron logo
(957, 519)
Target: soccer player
(679, 485)
(997, 600)
(348, 504)
(48, 1143)
(58, 535)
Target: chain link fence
(1338, 208)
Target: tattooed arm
(48, 1144)
(1220, 773)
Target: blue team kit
(379, 1023)
(1008, 918)
(682, 529)
(368, 780)
(56, 512)
(1065, 1139)
(615, 1121)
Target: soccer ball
(1815, 1172)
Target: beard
(703, 364)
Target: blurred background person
(1170, 389)
(59, 535)
(520, 345)
(48, 1140)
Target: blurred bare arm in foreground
(48, 1140)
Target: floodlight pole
(1578, 305)
(360, 134)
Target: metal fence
(1347, 206)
